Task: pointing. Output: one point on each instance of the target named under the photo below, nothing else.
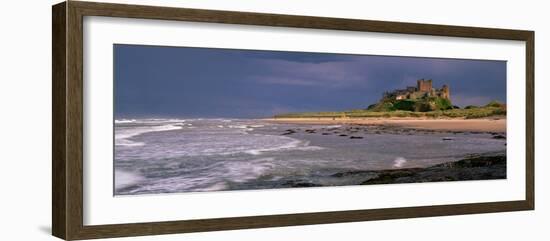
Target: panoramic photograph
(190, 119)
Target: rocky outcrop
(478, 167)
(472, 168)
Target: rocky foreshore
(357, 131)
(491, 165)
(471, 168)
(475, 167)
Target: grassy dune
(470, 113)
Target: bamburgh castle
(423, 89)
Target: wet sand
(481, 125)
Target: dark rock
(389, 176)
(447, 139)
(342, 135)
(355, 137)
(289, 132)
(475, 161)
(300, 183)
(351, 173)
(499, 137)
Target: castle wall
(424, 85)
(416, 95)
(424, 89)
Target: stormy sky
(153, 81)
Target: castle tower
(424, 85)
(445, 92)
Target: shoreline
(497, 124)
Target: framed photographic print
(171, 120)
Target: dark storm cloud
(200, 82)
(297, 56)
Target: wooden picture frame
(67, 124)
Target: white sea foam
(254, 152)
(291, 144)
(309, 148)
(125, 121)
(125, 179)
(159, 121)
(215, 187)
(122, 135)
(247, 170)
(398, 162)
(238, 126)
(218, 178)
(245, 126)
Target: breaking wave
(122, 136)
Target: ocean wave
(245, 126)
(206, 138)
(399, 162)
(217, 178)
(292, 144)
(238, 126)
(122, 135)
(122, 121)
(125, 179)
(309, 148)
(151, 121)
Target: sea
(162, 155)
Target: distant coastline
(488, 118)
(491, 110)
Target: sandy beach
(481, 125)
